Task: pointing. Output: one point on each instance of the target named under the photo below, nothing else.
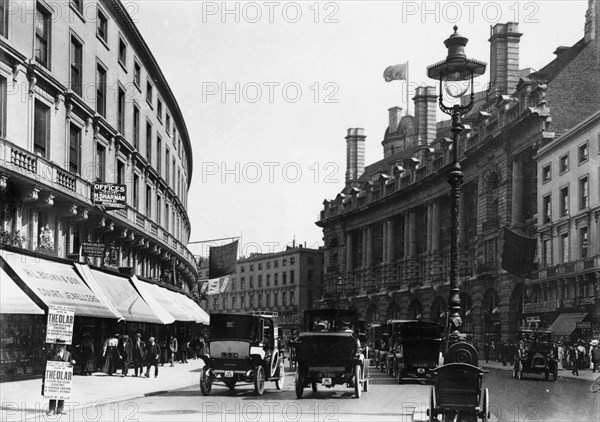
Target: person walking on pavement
(58, 354)
(126, 352)
(152, 356)
(111, 355)
(173, 347)
(486, 351)
(573, 356)
(138, 354)
(87, 354)
(596, 358)
(183, 349)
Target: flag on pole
(221, 260)
(398, 72)
(518, 253)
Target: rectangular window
(159, 109)
(4, 18)
(122, 53)
(283, 299)
(167, 217)
(293, 298)
(583, 153)
(564, 201)
(74, 149)
(546, 173)
(3, 95)
(167, 164)
(547, 209)
(168, 123)
(102, 26)
(42, 36)
(158, 209)
(149, 142)
(564, 247)
(41, 130)
(310, 276)
(100, 162)
(284, 278)
(251, 282)
(77, 5)
(149, 93)
(101, 90)
(260, 280)
(563, 163)
(546, 253)
(268, 279)
(158, 152)
(583, 242)
(276, 279)
(148, 201)
(120, 172)
(136, 127)
(121, 110)
(136, 191)
(137, 74)
(292, 277)
(174, 180)
(584, 193)
(76, 65)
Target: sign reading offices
(110, 195)
(60, 324)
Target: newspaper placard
(57, 380)
(59, 328)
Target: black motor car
(536, 354)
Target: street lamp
(339, 288)
(456, 68)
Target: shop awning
(148, 294)
(169, 300)
(56, 283)
(201, 316)
(566, 323)
(119, 293)
(13, 300)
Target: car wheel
(299, 382)
(357, 377)
(205, 382)
(485, 413)
(280, 381)
(259, 380)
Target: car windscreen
(243, 327)
(419, 330)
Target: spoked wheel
(259, 380)
(299, 382)
(280, 381)
(595, 387)
(205, 382)
(357, 378)
(485, 406)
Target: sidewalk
(584, 374)
(22, 400)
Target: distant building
(286, 282)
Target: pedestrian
(87, 354)
(573, 357)
(173, 348)
(194, 347)
(504, 351)
(183, 349)
(126, 352)
(596, 358)
(152, 356)
(111, 355)
(486, 351)
(560, 354)
(139, 355)
(58, 354)
(164, 356)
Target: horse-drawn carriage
(328, 352)
(243, 349)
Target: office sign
(59, 328)
(57, 380)
(110, 195)
(93, 249)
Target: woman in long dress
(87, 354)
(111, 355)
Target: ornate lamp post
(457, 67)
(339, 288)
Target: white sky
(265, 161)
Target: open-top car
(329, 352)
(243, 349)
(536, 354)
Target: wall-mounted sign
(60, 324)
(93, 249)
(110, 195)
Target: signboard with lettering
(586, 324)
(57, 380)
(110, 195)
(93, 249)
(60, 324)
(537, 307)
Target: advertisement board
(59, 328)
(93, 249)
(110, 195)
(57, 380)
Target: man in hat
(58, 354)
(126, 352)
(152, 355)
(139, 354)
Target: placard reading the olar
(60, 324)
(57, 380)
(110, 195)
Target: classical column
(406, 235)
(412, 237)
(349, 252)
(435, 227)
(390, 242)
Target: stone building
(387, 232)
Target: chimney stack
(591, 21)
(395, 116)
(355, 154)
(425, 113)
(504, 57)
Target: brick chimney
(425, 113)
(395, 116)
(504, 57)
(355, 154)
(591, 21)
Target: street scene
(299, 211)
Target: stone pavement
(584, 374)
(22, 400)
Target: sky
(269, 89)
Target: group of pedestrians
(581, 356)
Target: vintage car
(536, 354)
(243, 348)
(415, 351)
(329, 352)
